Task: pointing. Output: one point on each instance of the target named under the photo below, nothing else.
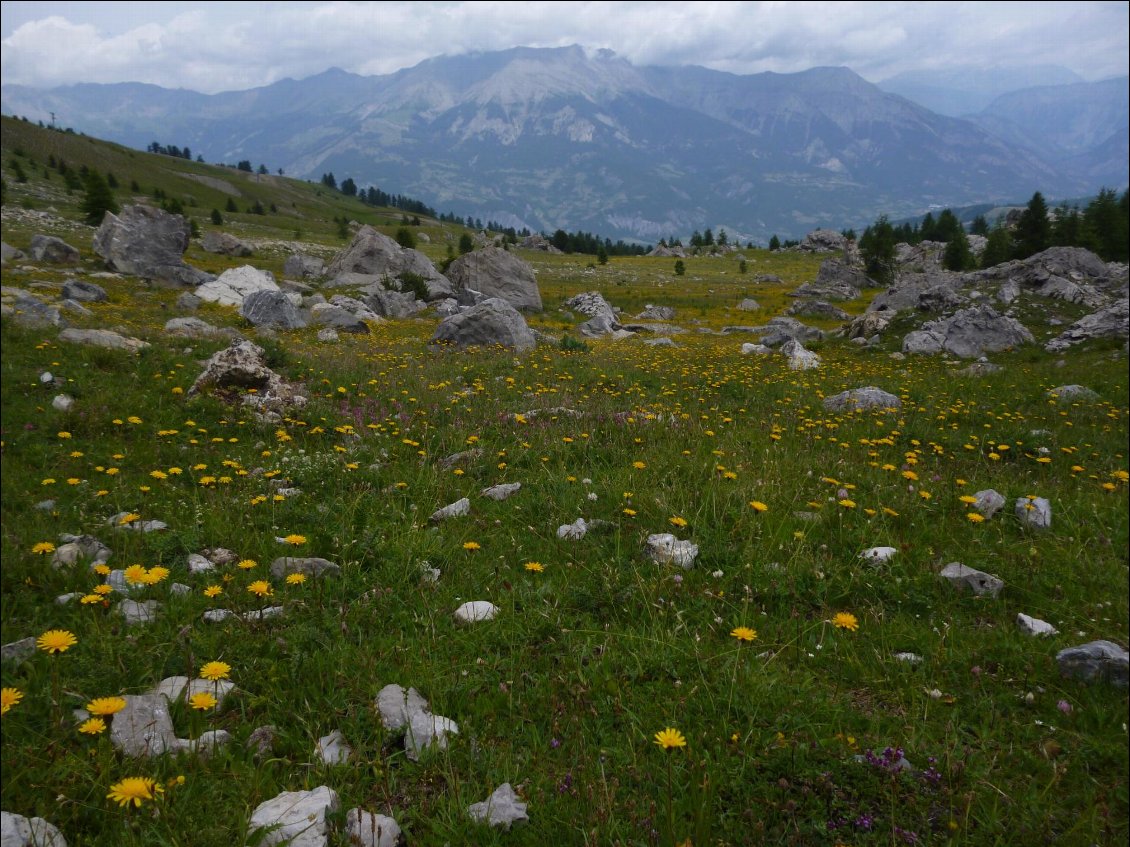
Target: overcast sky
(213, 47)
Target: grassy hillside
(779, 658)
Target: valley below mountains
(572, 139)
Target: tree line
(1103, 227)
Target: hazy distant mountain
(577, 140)
(1082, 127)
(965, 91)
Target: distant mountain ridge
(572, 139)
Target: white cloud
(226, 46)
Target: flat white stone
(878, 554)
(476, 610)
(295, 818)
(1035, 626)
(368, 830)
(502, 808)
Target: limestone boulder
(147, 242)
(494, 272)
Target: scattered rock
(333, 749)
(455, 510)
(979, 582)
(368, 830)
(798, 358)
(208, 743)
(1071, 393)
(494, 272)
(294, 818)
(749, 349)
(909, 658)
(817, 309)
(103, 338)
(28, 310)
(834, 281)
(328, 334)
(401, 304)
(969, 334)
(501, 492)
(748, 305)
(271, 308)
(372, 256)
(574, 531)
(18, 651)
(409, 711)
(195, 328)
(1034, 512)
(136, 612)
(590, 303)
(862, 398)
(144, 727)
(233, 285)
(475, 611)
(1035, 626)
(664, 548)
(80, 547)
(18, 831)
(261, 741)
(301, 266)
(243, 366)
(492, 322)
(82, 291)
(55, 251)
(176, 687)
(311, 566)
(225, 244)
(188, 302)
(878, 554)
(501, 809)
(1111, 322)
(656, 313)
(1096, 661)
(988, 502)
(148, 243)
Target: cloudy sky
(213, 47)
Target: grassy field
(791, 737)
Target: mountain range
(574, 139)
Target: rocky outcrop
(834, 281)
(969, 334)
(243, 366)
(538, 242)
(234, 284)
(862, 398)
(301, 266)
(823, 241)
(54, 251)
(493, 272)
(1061, 273)
(591, 303)
(1111, 322)
(148, 243)
(225, 244)
(372, 256)
(271, 308)
(393, 304)
(492, 322)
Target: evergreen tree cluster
(169, 150)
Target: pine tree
(999, 247)
(98, 200)
(877, 246)
(1033, 230)
(774, 243)
(958, 256)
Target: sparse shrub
(405, 238)
(569, 344)
(680, 267)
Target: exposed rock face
(301, 266)
(234, 284)
(103, 338)
(969, 334)
(493, 272)
(271, 308)
(591, 303)
(18, 831)
(225, 244)
(979, 582)
(834, 281)
(375, 255)
(491, 322)
(817, 309)
(55, 251)
(8, 253)
(243, 365)
(538, 242)
(1062, 273)
(823, 241)
(148, 243)
(393, 304)
(82, 291)
(862, 398)
(656, 313)
(1111, 322)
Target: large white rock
(296, 818)
(664, 548)
(368, 830)
(230, 287)
(1035, 626)
(502, 808)
(476, 610)
(18, 831)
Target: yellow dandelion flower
(974, 517)
(845, 620)
(92, 726)
(202, 701)
(847, 504)
(105, 706)
(743, 633)
(758, 506)
(246, 564)
(135, 574)
(213, 591)
(213, 671)
(639, 466)
(260, 588)
(677, 521)
(295, 540)
(9, 697)
(56, 641)
(670, 738)
(134, 789)
(103, 589)
(534, 567)
(295, 578)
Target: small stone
(878, 554)
(501, 492)
(988, 502)
(18, 831)
(1035, 626)
(136, 612)
(1034, 512)
(199, 564)
(453, 510)
(664, 548)
(144, 727)
(909, 658)
(333, 749)
(368, 830)
(62, 402)
(180, 589)
(46, 378)
(574, 531)
(476, 610)
(262, 740)
(979, 582)
(65, 599)
(294, 818)
(18, 651)
(1096, 661)
(328, 334)
(218, 615)
(45, 506)
(204, 746)
(502, 808)
(310, 566)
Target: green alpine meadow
(572, 587)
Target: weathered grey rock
(474, 611)
(242, 365)
(218, 615)
(602, 326)
(233, 285)
(28, 310)
(783, 329)
(590, 303)
(136, 612)
(397, 304)
(295, 818)
(665, 549)
(749, 349)
(1034, 512)
(817, 309)
(195, 328)
(869, 324)
(395, 705)
(538, 242)
(453, 510)
(862, 398)
(574, 531)
(502, 809)
(301, 266)
(188, 302)
(979, 582)
(74, 307)
(656, 313)
(798, 358)
(1035, 626)
(261, 741)
(980, 369)
(18, 831)
(748, 305)
(375, 255)
(313, 567)
(878, 554)
(492, 322)
(103, 338)
(823, 241)
(660, 342)
(834, 281)
(76, 548)
(82, 291)
(969, 334)
(8, 253)
(18, 651)
(501, 492)
(909, 658)
(1096, 661)
(62, 402)
(148, 243)
(46, 505)
(407, 710)
(989, 502)
(208, 743)
(494, 272)
(116, 521)
(368, 830)
(338, 318)
(333, 749)
(940, 298)
(1110, 322)
(225, 244)
(1071, 393)
(55, 251)
(144, 727)
(328, 334)
(271, 308)
(66, 599)
(177, 687)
